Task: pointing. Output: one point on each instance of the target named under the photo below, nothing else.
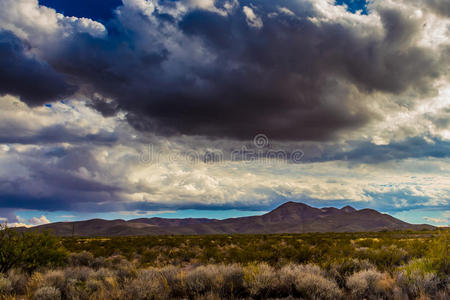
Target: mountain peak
(290, 217)
(292, 204)
(292, 211)
(348, 209)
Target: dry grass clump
(174, 278)
(261, 280)
(340, 271)
(6, 287)
(209, 296)
(149, 284)
(34, 283)
(52, 278)
(75, 283)
(369, 284)
(314, 286)
(305, 281)
(232, 280)
(19, 281)
(83, 258)
(418, 279)
(418, 284)
(123, 268)
(47, 293)
(202, 280)
(287, 276)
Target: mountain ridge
(290, 217)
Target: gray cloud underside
(203, 73)
(23, 75)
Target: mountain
(291, 217)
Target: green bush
(439, 255)
(29, 250)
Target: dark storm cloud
(7, 215)
(403, 200)
(57, 202)
(367, 152)
(441, 119)
(9, 201)
(441, 7)
(35, 82)
(54, 134)
(53, 182)
(291, 79)
(239, 205)
(62, 179)
(384, 202)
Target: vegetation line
(382, 265)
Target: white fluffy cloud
(437, 220)
(39, 24)
(38, 221)
(20, 222)
(252, 19)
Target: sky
(201, 108)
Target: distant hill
(291, 217)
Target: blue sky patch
(354, 5)
(100, 10)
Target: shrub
(82, 258)
(54, 278)
(104, 273)
(149, 284)
(261, 280)
(78, 273)
(363, 284)
(19, 281)
(51, 279)
(386, 287)
(173, 277)
(75, 289)
(314, 286)
(47, 293)
(28, 250)
(34, 283)
(6, 287)
(232, 281)
(287, 278)
(419, 277)
(438, 253)
(115, 261)
(201, 280)
(76, 283)
(99, 262)
(124, 270)
(418, 284)
(209, 296)
(106, 286)
(288, 275)
(342, 270)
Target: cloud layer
(296, 70)
(361, 94)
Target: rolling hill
(291, 217)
